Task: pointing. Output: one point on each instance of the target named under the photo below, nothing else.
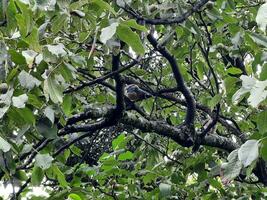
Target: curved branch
(190, 101)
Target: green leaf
(50, 113)
(234, 70)
(58, 23)
(261, 17)
(119, 142)
(104, 5)
(132, 23)
(37, 176)
(24, 20)
(126, 156)
(35, 101)
(33, 40)
(263, 74)
(232, 168)
(43, 161)
(26, 114)
(248, 152)
(20, 101)
(53, 89)
(57, 50)
(263, 149)
(108, 32)
(200, 70)
(131, 38)
(21, 175)
(60, 176)
(165, 189)
(29, 56)
(149, 177)
(254, 87)
(28, 81)
(215, 100)
(16, 57)
(67, 105)
(5, 101)
(11, 12)
(259, 39)
(4, 145)
(261, 121)
(73, 196)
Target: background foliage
(67, 126)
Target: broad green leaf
(259, 39)
(126, 156)
(232, 168)
(5, 101)
(67, 104)
(16, 57)
(119, 142)
(33, 40)
(149, 177)
(57, 50)
(73, 196)
(26, 114)
(214, 101)
(165, 189)
(234, 70)
(35, 101)
(4, 145)
(261, 17)
(263, 149)
(78, 4)
(53, 89)
(37, 176)
(20, 101)
(26, 148)
(132, 23)
(263, 74)
(131, 38)
(59, 22)
(50, 113)
(29, 56)
(262, 121)
(11, 12)
(21, 175)
(60, 176)
(248, 152)
(108, 32)
(104, 5)
(43, 161)
(28, 81)
(25, 19)
(254, 87)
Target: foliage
(68, 127)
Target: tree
(68, 127)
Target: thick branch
(191, 105)
(180, 134)
(120, 106)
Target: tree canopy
(68, 126)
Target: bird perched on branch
(134, 93)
